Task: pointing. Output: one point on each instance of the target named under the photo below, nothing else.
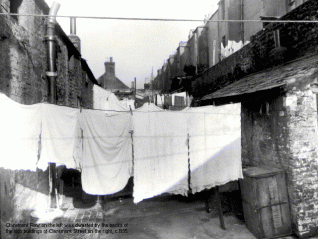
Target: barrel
(265, 202)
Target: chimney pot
(73, 26)
(73, 38)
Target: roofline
(72, 50)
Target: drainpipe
(242, 23)
(51, 73)
(51, 51)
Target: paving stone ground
(157, 218)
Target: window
(224, 42)
(277, 38)
(14, 7)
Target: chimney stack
(73, 38)
(110, 67)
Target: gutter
(51, 72)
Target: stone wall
(279, 127)
(281, 132)
(23, 58)
(23, 64)
(302, 113)
(22, 71)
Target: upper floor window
(14, 7)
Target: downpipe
(51, 72)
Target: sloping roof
(288, 73)
(72, 50)
(112, 83)
(88, 71)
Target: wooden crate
(265, 202)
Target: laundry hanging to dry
(107, 151)
(197, 148)
(20, 127)
(214, 145)
(193, 149)
(161, 153)
(58, 136)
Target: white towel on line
(58, 137)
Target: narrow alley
(135, 126)
(162, 217)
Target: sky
(137, 47)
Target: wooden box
(265, 202)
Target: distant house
(109, 81)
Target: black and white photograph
(159, 119)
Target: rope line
(158, 19)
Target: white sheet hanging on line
(58, 137)
(215, 145)
(107, 151)
(161, 153)
(106, 100)
(20, 127)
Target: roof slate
(274, 77)
(111, 82)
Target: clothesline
(156, 111)
(159, 153)
(109, 137)
(160, 19)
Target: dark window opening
(277, 38)
(14, 7)
(224, 42)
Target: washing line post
(219, 207)
(99, 202)
(189, 166)
(135, 93)
(132, 151)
